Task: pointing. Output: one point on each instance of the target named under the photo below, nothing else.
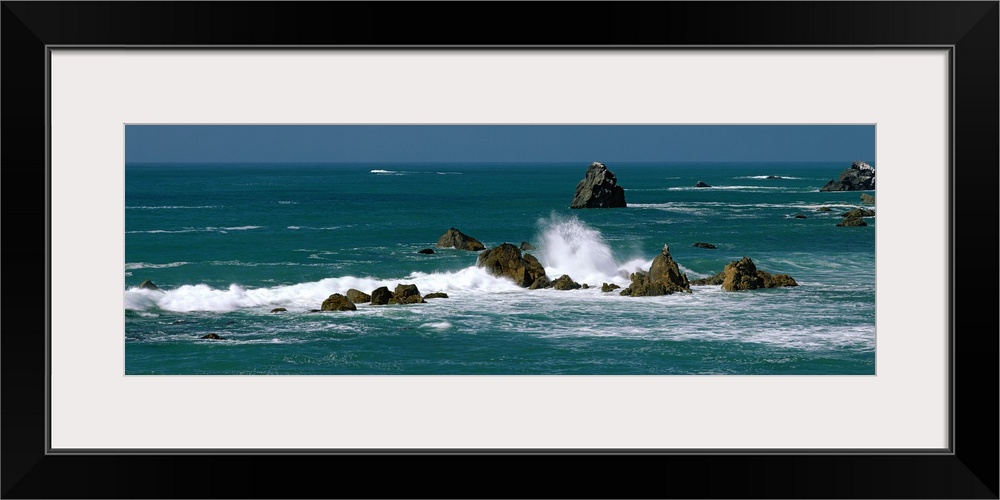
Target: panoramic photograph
(499, 249)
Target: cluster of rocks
(854, 218)
(403, 294)
(598, 189)
(743, 275)
(860, 176)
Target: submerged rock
(824, 209)
(598, 189)
(852, 222)
(457, 239)
(357, 296)
(436, 295)
(867, 199)
(212, 336)
(664, 277)
(702, 184)
(773, 177)
(800, 216)
(859, 177)
(380, 296)
(743, 275)
(858, 212)
(564, 282)
(704, 245)
(338, 302)
(428, 251)
(506, 261)
(148, 285)
(278, 310)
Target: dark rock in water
(406, 294)
(584, 286)
(800, 216)
(148, 285)
(773, 177)
(526, 246)
(713, 280)
(704, 245)
(381, 296)
(436, 295)
(315, 310)
(607, 287)
(776, 280)
(357, 296)
(852, 222)
(858, 212)
(824, 209)
(859, 177)
(598, 189)
(338, 302)
(541, 282)
(213, 336)
(427, 251)
(701, 184)
(564, 282)
(506, 261)
(457, 239)
(278, 310)
(743, 275)
(664, 277)
(867, 199)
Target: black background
(971, 472)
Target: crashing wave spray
(568, 246)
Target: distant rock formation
(148, 285)
(357, 296)
(705, 245)
(428, 251)
(338, 302)
(702, 184)
(859, 177)
(664, 277)
(867, 199)
(564, 282)
(743, 275)
(457, 239)
(598, 189)
(506, 261)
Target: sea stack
(859, 177)
(664, 278)
(598, 189)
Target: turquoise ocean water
(226, 244)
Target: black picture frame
(969, 28)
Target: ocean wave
(171, 207)
(209, 229)
(147, 265)
(746, 188)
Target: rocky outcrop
(406, 294)
(526, 246)
(743, 275)
(457, 239)
(858, 212)
(148, 285)
(564, 282)
(337, 302)
(506, 261)
(279, 310)
(212, 336)
(436, 295)
(704, 245)
(427, 251)
(598, 189)
(357, 296)
(607, 287)
(859, 177)
(702, 184)
(867, 199)
(664, 277)
(541, 282)
(852, 222)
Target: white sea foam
(171, 207)
(568, 246)
(147, 265)
(441, 325)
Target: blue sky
(497, 143)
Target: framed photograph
(271, 242)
